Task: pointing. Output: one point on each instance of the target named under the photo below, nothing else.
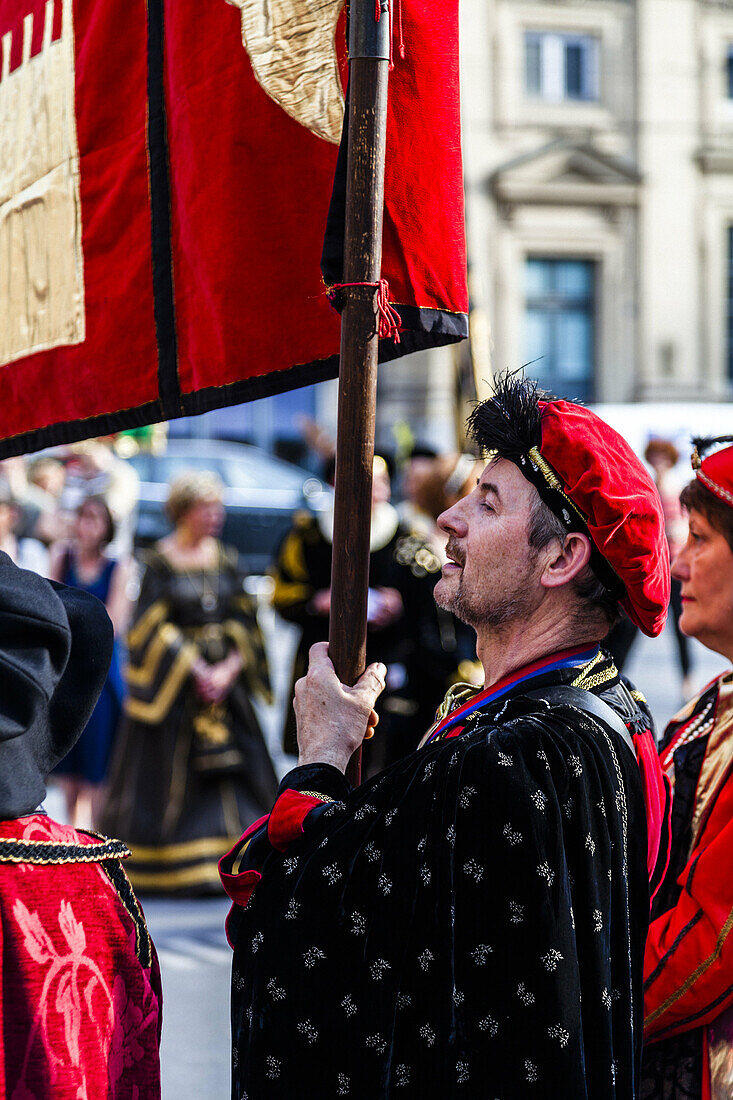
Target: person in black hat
(81, 997)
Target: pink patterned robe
(81, 998)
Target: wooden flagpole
(369, 52)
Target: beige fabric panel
(41, 261)
(292, 48)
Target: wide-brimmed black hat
(55, 652)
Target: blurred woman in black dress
(191, 769)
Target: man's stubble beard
(487, 612)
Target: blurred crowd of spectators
(40, 497)
(70, 514)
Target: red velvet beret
(619, 502)
(592, 481)
(715, 472)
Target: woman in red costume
(688, 1005)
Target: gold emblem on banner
(292, 48)
(41, 261)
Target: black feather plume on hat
(509, 421)
(704, 443)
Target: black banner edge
(434, 329)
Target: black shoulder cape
(470, 923)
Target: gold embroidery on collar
(588, 679)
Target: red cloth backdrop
(201, 212)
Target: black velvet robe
(469, 923)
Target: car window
(258, 471)
(167, 467)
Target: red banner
(163, 200)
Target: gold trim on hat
(553, 480)
(714, 487)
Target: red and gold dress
(688, 970)
(81, 997)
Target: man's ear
(566, 561)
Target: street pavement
(189, 935)
(195, 964)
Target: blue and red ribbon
(568, 658)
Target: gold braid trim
(586, 669)
(714, 487)
(184, 850)
(553, 480)
(588, 679)
(122, 886)
(690, 981)
(138, 633)
(456, 695)
(156, 710)
(317, 794)
(598, 679)
(46, 852)
(142, 675)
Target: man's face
(492, 576)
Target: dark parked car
(261, 493)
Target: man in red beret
(471, 922)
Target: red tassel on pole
(388, 317)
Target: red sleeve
(688, 967)
(288, 814)
(239, 869)
(658, 804)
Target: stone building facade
(598, 155)
(598, 139)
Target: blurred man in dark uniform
(402, 618)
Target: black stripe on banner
(437, 328)
(430, 328)
(69, 431)
(163, 302)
